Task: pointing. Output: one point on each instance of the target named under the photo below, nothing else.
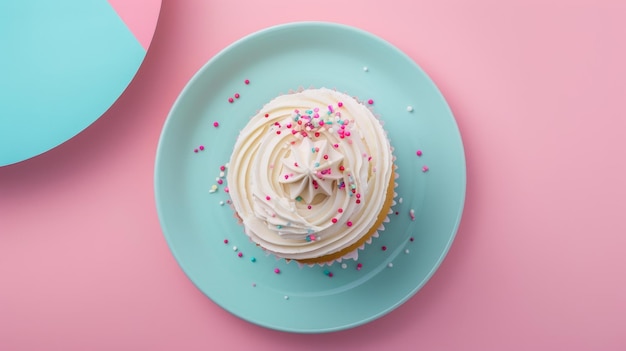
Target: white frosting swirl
(309, 173)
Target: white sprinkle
(412, 214)
(217, 178)
(226, 165)
(234, 248)
(221, 174)
(286, 297)
(407, 251)
(344, 266)
(365, 69)
(409, 108)
(400, 200)
(221, 203)
(390, 265)
(213, 188)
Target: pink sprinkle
(225, 189)
(225, 241)
(278, 132)
(195, 150)
(340, 210)
(216, 124)
(312, 237)
(411, 239)
(276, 270)
(330, 274)
(286, 176)
(325, 157)
(309, 207)
(334, 220)
(336, 146)
(247, 81)
(419, 153)
(236, 95)
(267, 115)
(384, 248)
(240, 254)
(425, 169)
(340, 104)
(370, 101)
(347, 133)
(267, 198)
(220, 182)
(321, 123)
(222, 168)
(201, 147)
(358, 196)
(349, 224)
(359, 266)
(231, 100)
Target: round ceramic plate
(63, 64)
(197, 222)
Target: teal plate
(62, 66)
(196, 222)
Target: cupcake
(312, 176)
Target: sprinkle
(240, 254)
(384, 248)
(222, 168)
(267, 115)
(390, 265)
(216, 124)
(340, 104)
(344, 266)
(235, 248)
(226, 190)
(221, 203)
(231, 100)
(330, 274)
(309, 207)
(298, 198)
(225, 241)
(400, 200)
(213, 188)
(359, 266)
(195, 150)
(220, 181)
(276, 270)
(247, 81)
(201, 147)
(286, 297)
(268, 198)
(278, 132)
(418, 152)
(334, 220)
(365, 69)
(325, 157)
(411, 239)
(407, 251)
(340, 210)
(326, 272)
(236, 95)
(409, 108)
(349, 224)
(425, 169)
(342, 168)
(252, 259)
(370, 101)
(222, 174)
(412, 214)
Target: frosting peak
(311, 168)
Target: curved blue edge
(159, 181)
(63, 64)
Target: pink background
(538, 90)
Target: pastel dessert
(312, 176)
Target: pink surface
(538, 90)
(140, 16)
